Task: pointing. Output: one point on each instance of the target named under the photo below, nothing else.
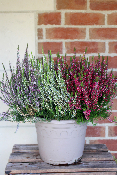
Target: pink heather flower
(89, 83)
(109, 119)
(87, 114)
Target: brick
(103, 33)
(49, 18)
(107, 120)
(40, 33)
(84, 19)
(92, 47)
(112, 19)
(65, 33)
(55, 47)
(112, 61)
(71, 4)
(96, 131)
(103, 4)
(112, 131)
(114, 105)
(110, 143)
(112, 47)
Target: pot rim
(61, 122)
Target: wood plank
(91, 173)
(24, 157)
(34, 148)
(42, 167)
(94, 173)
(96, 160)
(35, 157)
(25, 148)
(95, 148)
(100, 156)
(88, 173)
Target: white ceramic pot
(61, 142)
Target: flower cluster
(41, 89)
(21, 92)
(35, 91)
(53, 91)
(90, 85)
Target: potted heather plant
(79, 93)
(37, 93)
(60, 99)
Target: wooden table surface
(96, 160)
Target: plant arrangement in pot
(60, 99)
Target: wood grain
(34, 148)
(96, 160)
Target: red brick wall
(81, 24)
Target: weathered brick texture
(65, 33)
(103, 5)
(92, 47)
(84, 19)
(103, 33)
(112, 19)
(113, 47)
(95, 131)
(73, 5)
(112, 131)
(55, 47)
(49, 18)
(112, 62)
(114, 106)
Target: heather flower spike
(90, 86)
(48, 90)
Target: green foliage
(39, 90)
(36, 91)
(53, 91)
(115, 159)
